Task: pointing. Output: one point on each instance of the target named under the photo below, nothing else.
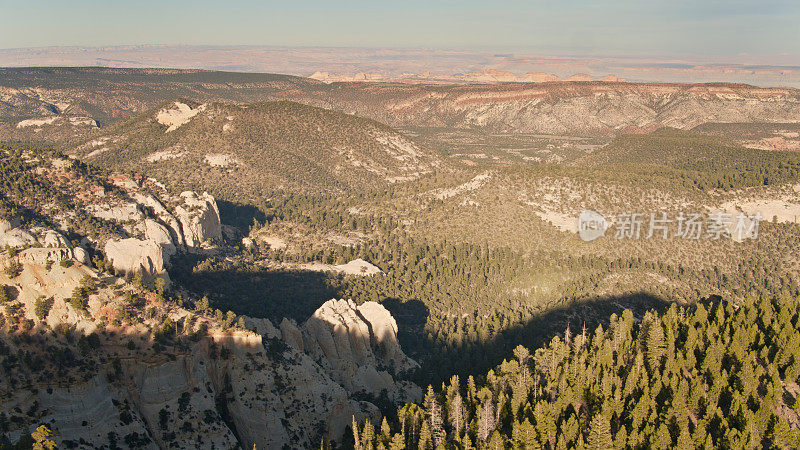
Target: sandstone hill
(110, 94)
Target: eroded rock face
(199, 218)
(384, 337)
(274, 389)
(44, 255)
(163, 215)
(90, 411)
(159, 234)
(135, 255)
(355, 343)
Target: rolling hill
(246, 151)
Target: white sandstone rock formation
(51, 238)
(354, 343)
(135, 255)
(176, 115)
(199, 218)
(159, 234)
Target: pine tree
(600, 433)
(438, 434)
(356, 437)
(425, 439)
(497, 442)
(41, 439)
(368, 436)
(456, 415)
(397, 443)
(486, 420)
(386, 432)
(656, 346)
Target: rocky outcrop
(15, 237)
(159, 234)
(51, 238)
(358, 346)
(166, 217)
(199, 218)
(135, 255)
(38, 245)
(226, 388)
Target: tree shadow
(296, 294)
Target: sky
(704, 28)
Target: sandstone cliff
(186, 223)
(201, 386)
(357, 346)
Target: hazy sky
(612, 27)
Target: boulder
(248, 243)
(135, 255)
(81, 255)
(199, 218)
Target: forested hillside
(242, 153)
(715, 375)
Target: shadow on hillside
(239, 215)
(477, 358)
(411, 316)
(275, 294)
(269, 293)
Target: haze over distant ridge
(339, 63)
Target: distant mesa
(328, 77)
(612, 78)
(538, 77)
(579, 77)
(481, 76)
(490, 75)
